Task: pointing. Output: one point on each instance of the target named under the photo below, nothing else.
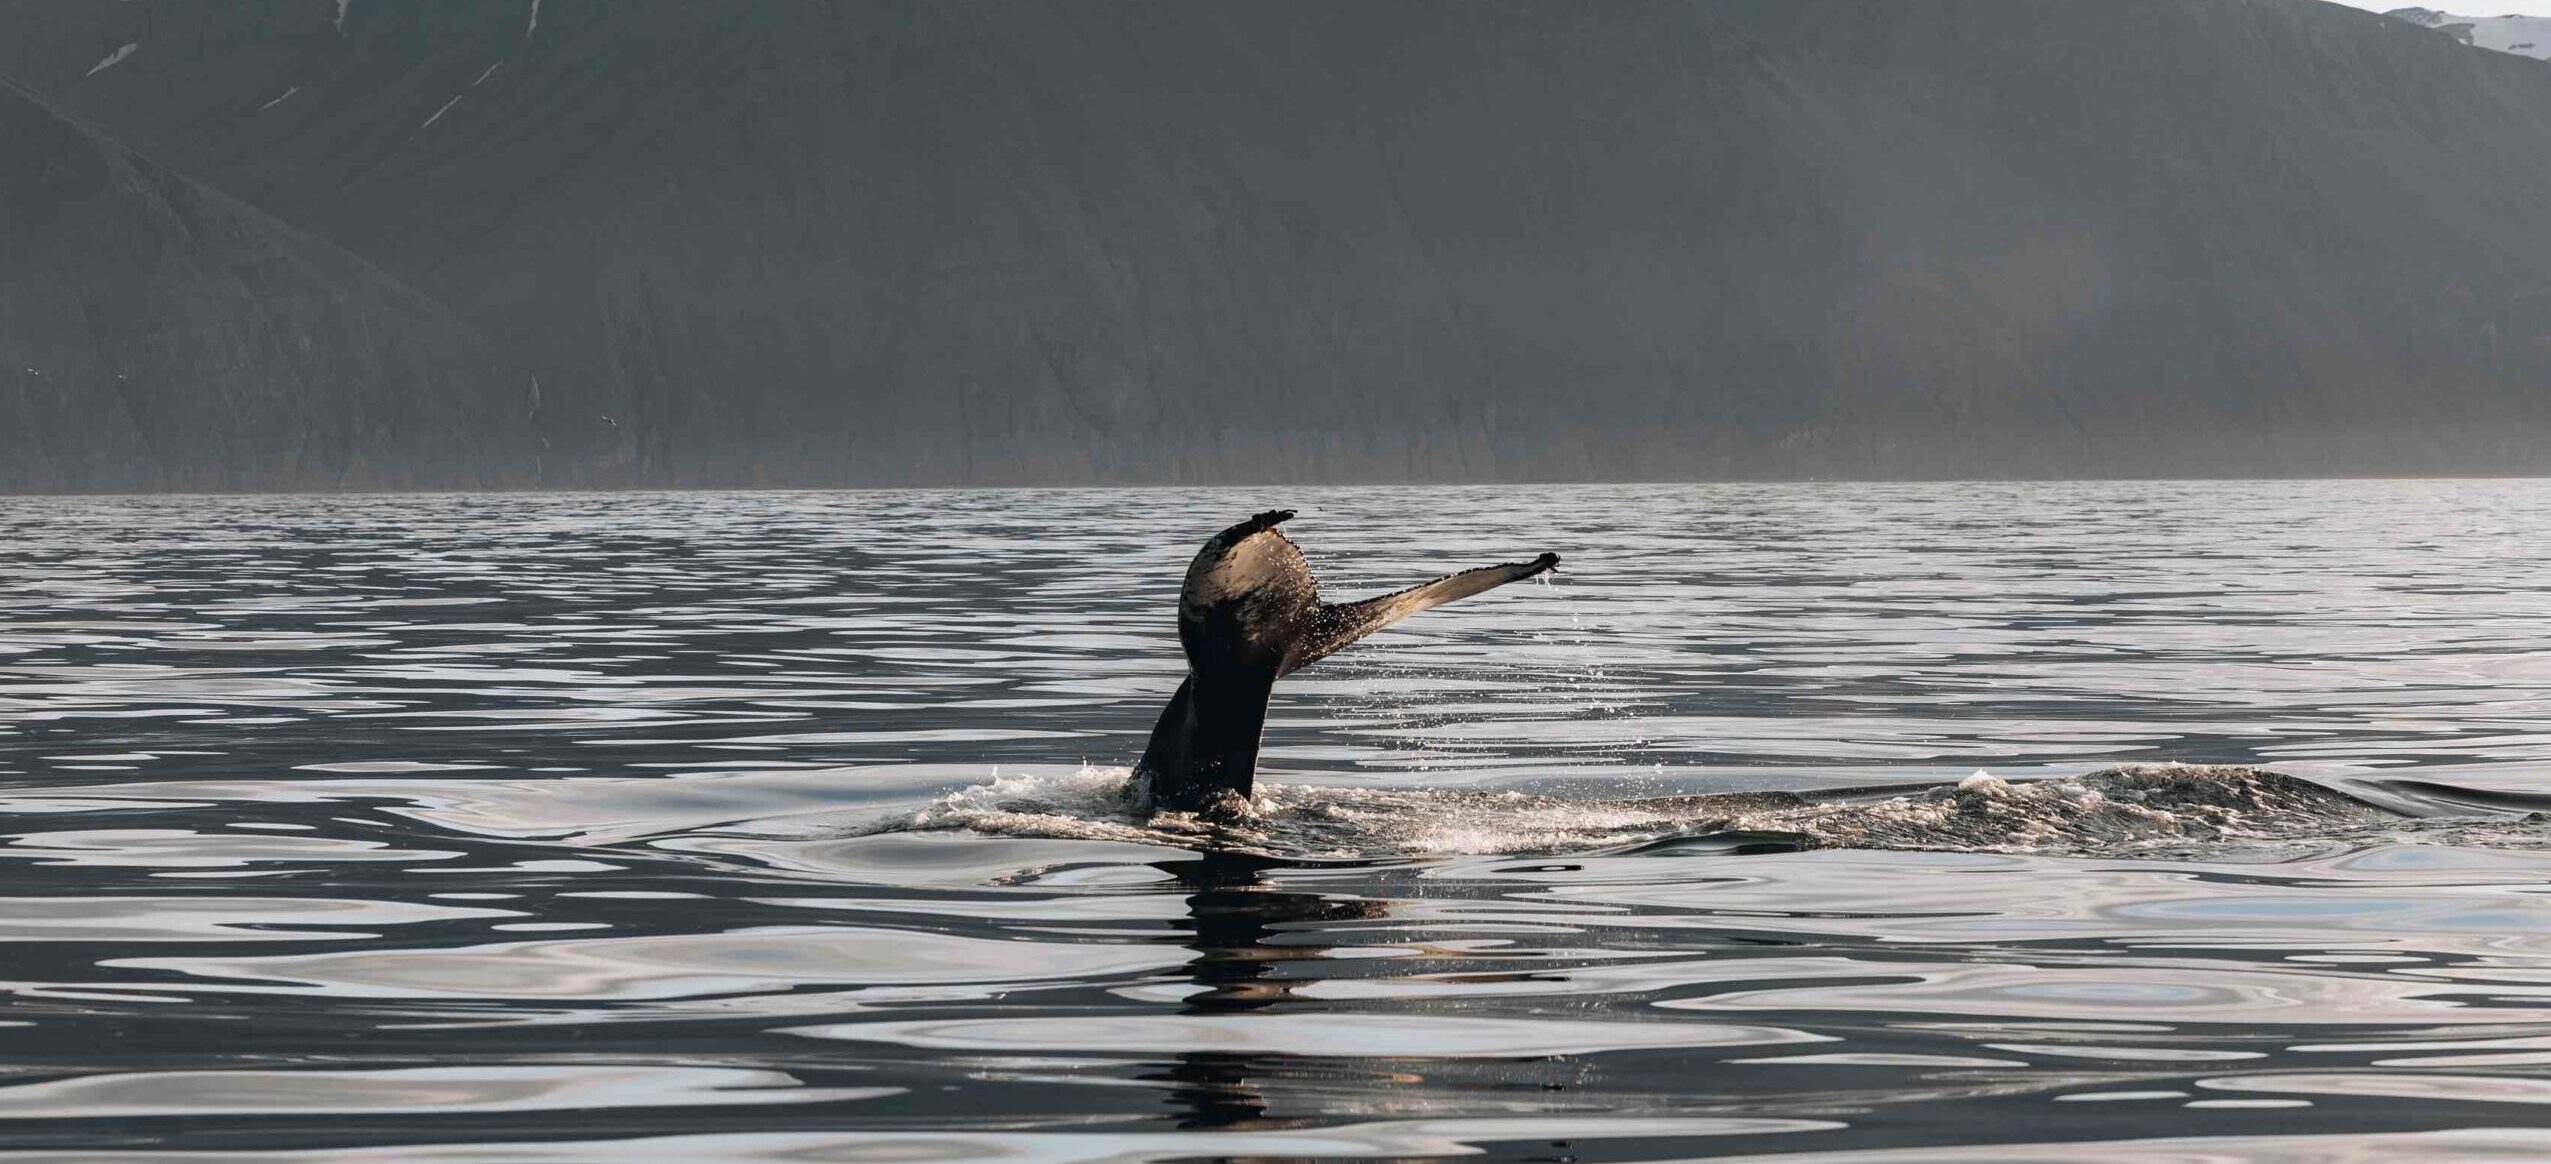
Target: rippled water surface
(791, 827)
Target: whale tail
(1250, 613)
(1340, 623)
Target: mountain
(993, 241)
(160, 335)
(2525, 36)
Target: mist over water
(790, 826)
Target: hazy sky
(2466, 8)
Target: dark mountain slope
(1006, 241)
(157, 335)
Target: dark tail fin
(1203, 755)
(1340, 623)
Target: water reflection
(1246, 933)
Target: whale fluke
(1344, 622)
(1249, 614)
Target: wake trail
(2137, 809)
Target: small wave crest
(2116, 808)
(2132, 808)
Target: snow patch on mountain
(2525, 36)
(111, 59)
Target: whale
(1249, 613)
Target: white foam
(2120, 809)
(1089, 804)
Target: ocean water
(2002, 822)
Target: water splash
(2132, 808)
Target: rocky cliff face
(159, 335)
(1003, 242)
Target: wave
(2145, 808)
